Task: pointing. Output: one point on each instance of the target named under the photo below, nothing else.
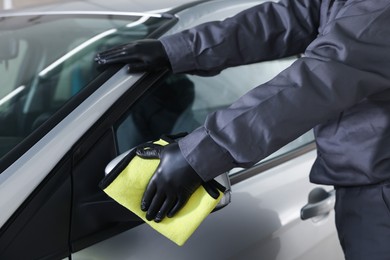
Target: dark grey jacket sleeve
(264, 32)
(348, 61)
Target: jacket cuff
(204, 155)
(179, 53)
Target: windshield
(45, 60)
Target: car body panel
(238, 231)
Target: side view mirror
(9, 47)
(223, 179)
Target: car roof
(141, 6)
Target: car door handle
(320, 203)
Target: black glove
(172, 184)
(141, 56)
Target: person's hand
(171, 185)
(141, 56)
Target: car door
(263, 220)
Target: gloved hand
(172, 184)
(142, 55)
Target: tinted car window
(46, 60)
(181, 103)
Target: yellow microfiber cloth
(127, 182)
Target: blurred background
(9, 4)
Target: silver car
(63, 118)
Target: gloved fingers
(149, 151)
(148, 196)
(121, 57)
(155, 206)
(165, 208)
(179, 204)
(122, 54)
(103, 61)
(119, 48)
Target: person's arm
(265, 32)
(268, 31)
(348, 62)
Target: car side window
(47, 60)
(181, 103)
(10, 66)
(157, 112)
